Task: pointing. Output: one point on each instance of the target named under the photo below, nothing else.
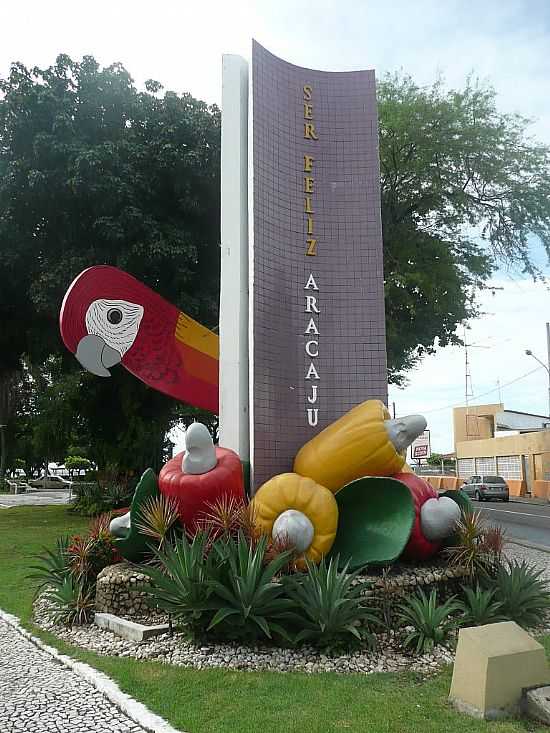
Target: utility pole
(547, 365)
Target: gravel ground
(40, 695)
(178, 650)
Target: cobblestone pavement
(35, 498)
(541, 560)
(40, 695)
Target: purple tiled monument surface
(344, 196)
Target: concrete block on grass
(493, 665)
(129, 629)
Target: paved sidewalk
(41, 694)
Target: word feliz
(312, 344)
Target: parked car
(484, 488)
(50, 482)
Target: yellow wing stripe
(199, 337)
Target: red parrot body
(157, 343)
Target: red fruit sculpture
(108, 317)
(201, 475)
(435, 518)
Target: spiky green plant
(246, 593)
(479, 607)
(157, 517)
(73, 601)
(179, 582)
(522, 592)
(52, 567)
(331, 605)
(432, 622)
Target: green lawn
(221, 701)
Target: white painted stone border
(136, 711)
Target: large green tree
(94, 171)
(463, 188)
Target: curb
(530, 545)
(136, 711)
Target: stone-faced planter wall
(117, 591)
(402, 581)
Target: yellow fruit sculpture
(363, 442)
(297, 509)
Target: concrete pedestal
(493, 665)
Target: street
(521, 520)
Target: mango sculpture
(363, 442)
(297, 510)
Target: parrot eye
(114, 316)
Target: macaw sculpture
(108, 317)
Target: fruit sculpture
(363, 442)
(295, 510)
(435, 517)
(202, 474)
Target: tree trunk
(2, 451)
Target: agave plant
(53, 565)
(73, 601)
(179, 581)
(157, 517)
(521, 591)
(432, 622)
(331, 605)
(246, 594)
(480, 607)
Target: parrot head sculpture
(108, 317)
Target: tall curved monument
(302, 335)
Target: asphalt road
(521, 521)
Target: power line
(484, 394)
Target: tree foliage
(94, 171)
(463, 188)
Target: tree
(93, 171)
(76, 463)
(463, 187)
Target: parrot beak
(96, 356)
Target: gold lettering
(307, 205)
(307, 92)
(308, 184)
(309, 131)
(308, 163)
(308, 111)
(311, 247)
(310, 225)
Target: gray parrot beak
(96, 356)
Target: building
(492, 440)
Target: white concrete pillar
(234, 399)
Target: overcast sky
(504, 41)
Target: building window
(485, 466)
(466, 467)
(509, 467)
